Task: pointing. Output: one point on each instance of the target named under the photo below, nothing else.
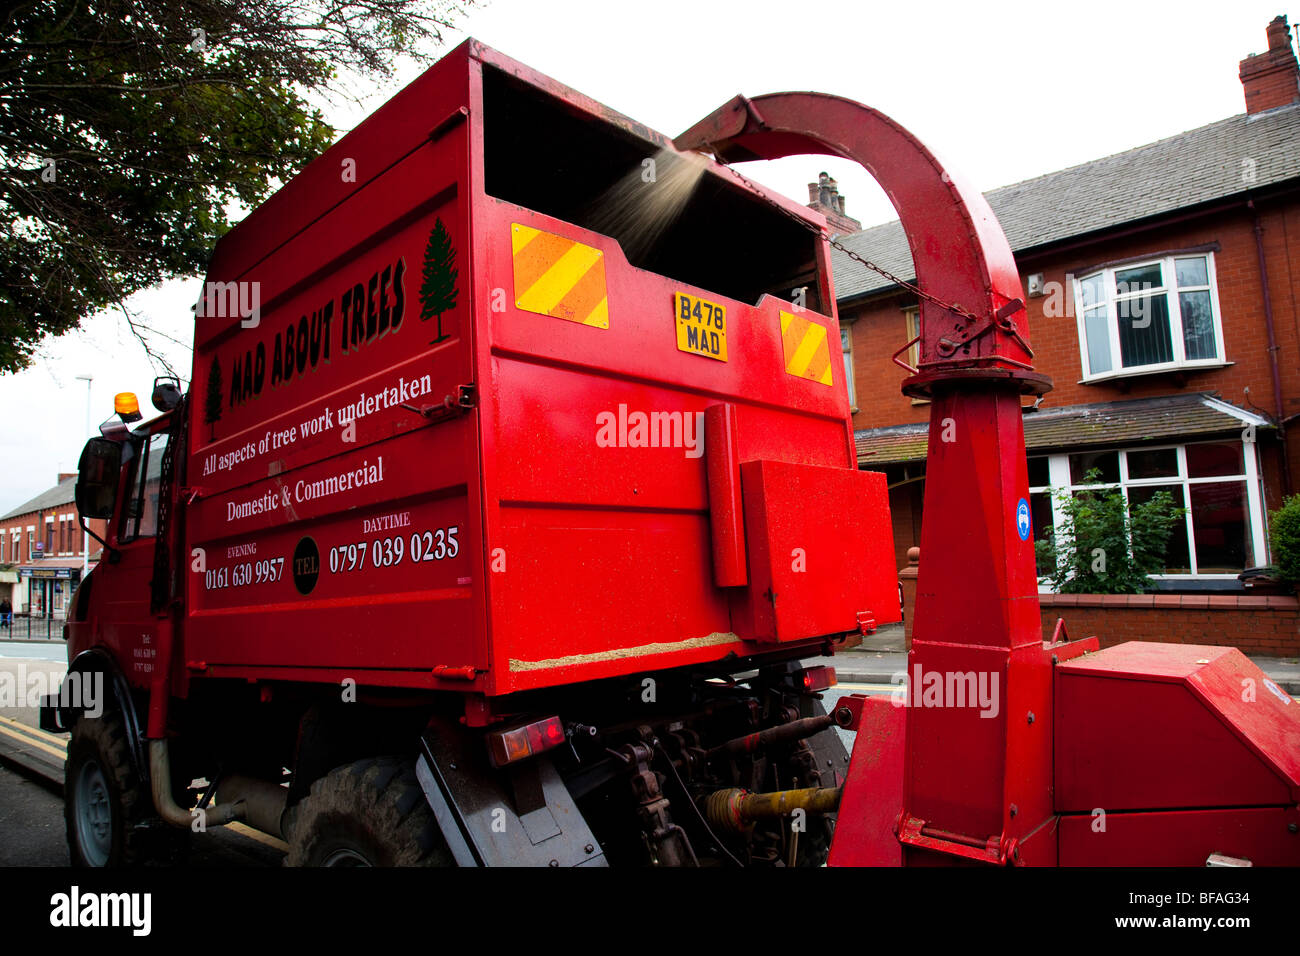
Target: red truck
(514, 491)
(516, 496)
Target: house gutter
(1280, 414)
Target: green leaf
(123, 143)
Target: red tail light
(524, 740)
(818, 678)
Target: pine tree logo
(438, 292)
(212, 406)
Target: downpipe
(259, 803)
(1280, 408)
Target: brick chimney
(1272, 79)
(824, 196)
(64, 476)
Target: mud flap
(491, 818)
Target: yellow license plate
(701, 326)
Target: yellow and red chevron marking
(807, 353)
(559, 277)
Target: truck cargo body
(547, 519)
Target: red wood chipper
(511, 510)
(1143, 754)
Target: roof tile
(1198, 166)
(1069, 426)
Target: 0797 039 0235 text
(435, 545)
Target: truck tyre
(369, 813)
(104, 798)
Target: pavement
(883, 654)
(37, 649)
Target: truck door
(128, 622)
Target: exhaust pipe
(160, 775)
(259, 803)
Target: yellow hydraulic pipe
(735, 810)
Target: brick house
(41, 551)
(1162, 287)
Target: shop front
(48, 588)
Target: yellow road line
(259, 836)
(30, 742)
(35, 731)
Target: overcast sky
(1002, 91)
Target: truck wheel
(103, 797)
(369, 813)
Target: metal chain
(836, 244)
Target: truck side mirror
(98, 472)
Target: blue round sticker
(1022, 519)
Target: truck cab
(121, 481)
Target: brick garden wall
(1268, 626)
(1264, 625)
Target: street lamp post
(85, 536)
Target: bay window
(1142, 317)
(1216, 482)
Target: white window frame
(912, 327)
(1058, 466)
(846, 348)
(1168, 272)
